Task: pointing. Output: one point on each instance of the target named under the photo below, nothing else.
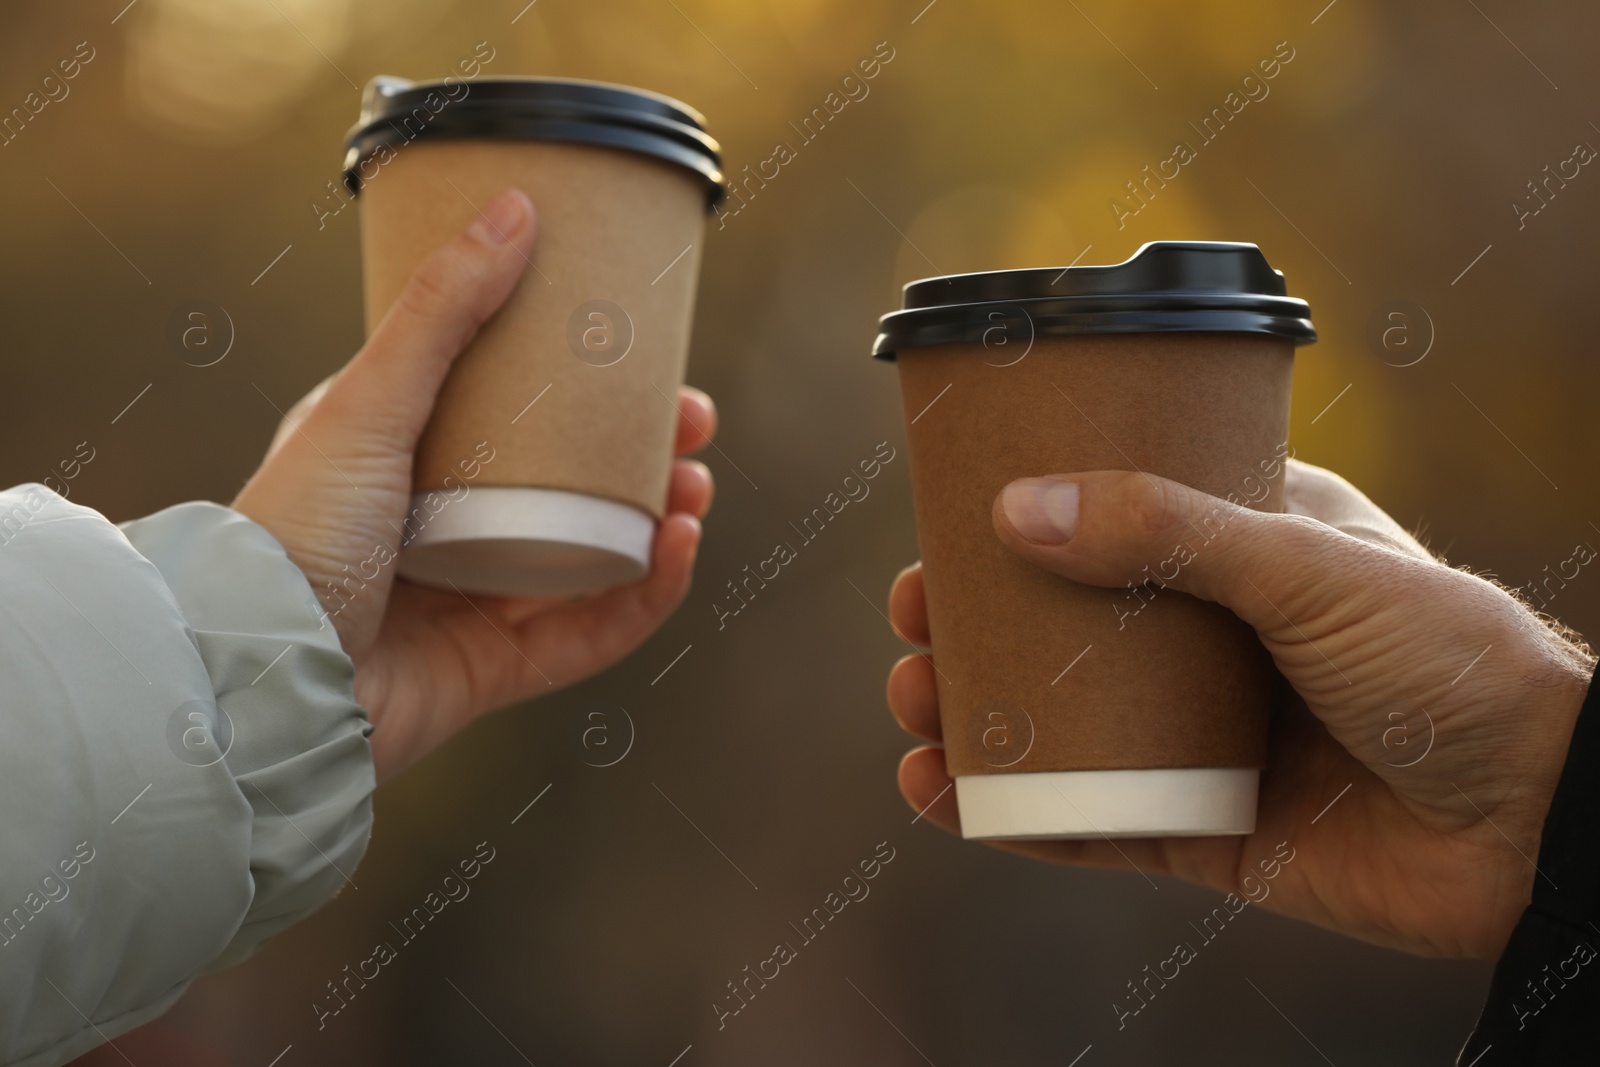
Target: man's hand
(1432, 855)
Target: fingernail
(500, 219)
(1044, 510)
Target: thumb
(1108, 528)
(385, 394)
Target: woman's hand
(336, 483)
(1442, 702)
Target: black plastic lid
(1192, 286)
(534, 109)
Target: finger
(1325, 496)
(647, 603)
(908, 607)
(697, 420)
(928, 789)
(691, 488)
(578, 639)
(386, 393)
(914, 698)
(1108, 528)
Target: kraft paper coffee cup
(1071, 711)
(545, 466)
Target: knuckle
(1151, 504)
(438, 286)
(1302, 538)
(1161, 511)
(1310, 475)
(1310, 550)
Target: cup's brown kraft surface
(610, 224)
(1157, 678)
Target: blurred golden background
(1382, 163)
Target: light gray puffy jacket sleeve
(185, 771)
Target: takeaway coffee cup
(545, 466)
(1070, 711)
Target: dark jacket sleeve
(1544, 999)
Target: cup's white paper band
(519, 541)
(1167, 802)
